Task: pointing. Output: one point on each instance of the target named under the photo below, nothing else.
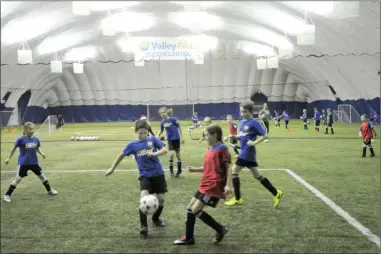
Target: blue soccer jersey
(317, 115)
(28, 150)
(286, 117)
(249, 130)
(195, 119)
(171, 126)
(148, 166)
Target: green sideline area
(93, 213)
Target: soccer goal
(49, 125)
(346, 113)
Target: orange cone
(11, 130)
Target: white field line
(346, 216)
(116, 170)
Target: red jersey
(366, 130)
(214, 175)
(233, 129)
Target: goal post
(49, 125)
(348, 114)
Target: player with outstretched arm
(250, 134)
(215, 184)
(29, 146)
(146, 150)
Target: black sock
(191, 221)
(179, 167)
(371, 150)
(236, 150)
(364, 151)
(265, 182)
(143, 219)
(326, 130)
(171, 167)
(10, 190)
(47, 185)
(208, 220)
(156, 215)
(236, 186)
(332, 130)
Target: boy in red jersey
(367, 132)
(214, 185)
(232, 131)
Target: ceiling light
(81, 54)
(127, 21)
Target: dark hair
(141, 124)
(215, 129)
(248, 105)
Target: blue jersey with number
(148, 166)
(171, 126)
(28, 150)
(249, 130)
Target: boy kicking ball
(215, 184)
(29, 147)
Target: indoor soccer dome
(293, 55)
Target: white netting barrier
(346, 113)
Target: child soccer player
(367, 132)
(329, 121)
(233, 132)
(60, 122)
(29, 146)
(323, 116)
(317, 120)
(195, 121)
(215, 184)
(146, 150)
(174, 135)
(265, 115)
(207, 121)
(250, 134)
(305, 119)
(144, 118)
(286, 119)
(277, 119)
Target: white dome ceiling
(347, 39)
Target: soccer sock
(371, 150)
(156, 215)
(208, 220)
(171, 167)
(191, 221)
(265, 182)
(47, 185)
(326, 130)
(331, 130)
(236, 150)
(143, 219)
(179, 167)
(236, 186)
(10, 190)
(364, 151)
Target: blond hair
(207, 119)
(27, 125)
(169, 111)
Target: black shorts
(317, 122)
(267, 126)
(278, 120)
(22, 170)
(207, 200)
(155, 184)
(305, 120)
(286, 122)
(329, 124)
(246, 164)
(174, 145)
(367, 142)
(233, 141)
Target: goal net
(346, 113)
(49, 125)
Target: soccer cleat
(266, 141)
(159, 223)
(178, 175)
(372, 155)
(52, 192)
(277, 198)
(7, 198)
(144, 231)
(220, 235)
(233, 201)
(183, 241)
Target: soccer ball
(72, 138)
(149, 204)
(97, 138)
(78, 138)
(308, 122)
(81, 138)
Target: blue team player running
(174, 136)
(251, 133)
(29, 146)
(277, 119)
(286, 119)
(146, 150)
(195, 120)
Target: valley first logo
(166, 46)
